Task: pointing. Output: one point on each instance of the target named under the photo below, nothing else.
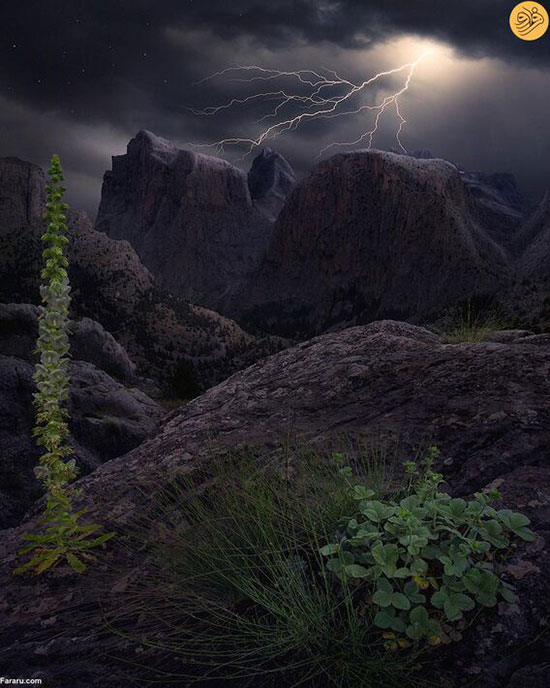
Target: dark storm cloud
(473, 26)
(98, 57)
(84, 76)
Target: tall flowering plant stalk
(64, 539)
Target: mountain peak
(154, 145)
(270, 180)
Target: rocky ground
(484, 404)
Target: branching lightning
(317, 95)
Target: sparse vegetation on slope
(473, 325)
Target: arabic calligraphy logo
(529, 21)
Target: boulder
(89, 341)
(108, 417)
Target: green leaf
(330, 549)
(376, 511)
(361, 492)
(431, 552)
(102, 539)
(46, 563)
(410, 502)
(415, 632)
(456, 604)
(75, 563)
(487, 599)
(386, 555)
(413, 543)
(384, 584)
(382, 598)
(347, 557)
(525, 534)
(457, 506)
(334, 566)
(482, 584)
(508, 595)
(419, 567)
(419, 615)
(410, 588)
(439, 598)
(492, 532)
(398, 624)
(356, 571)
(352, 525)
(400, 601)
(517, 523)
(384, 619)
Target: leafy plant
(423, 559)
(64, 538)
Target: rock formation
(535, 242)
(370, 234)
(270, 180)
(161, 332)
(484, 404)
(500, 205)
(190, 217)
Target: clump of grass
(237, 591)
(473, 326)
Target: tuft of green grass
(473, 326)
(237, 592)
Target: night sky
(81, 78)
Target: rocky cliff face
(370, 234)
(270, 180)
(527, 301)
(109, 416)
(168, 338)
(484, 404)
(500, 205)
(535, 242)
(191, 218)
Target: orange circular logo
(529, 21)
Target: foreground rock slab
(486, 405)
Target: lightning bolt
(327, 96)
